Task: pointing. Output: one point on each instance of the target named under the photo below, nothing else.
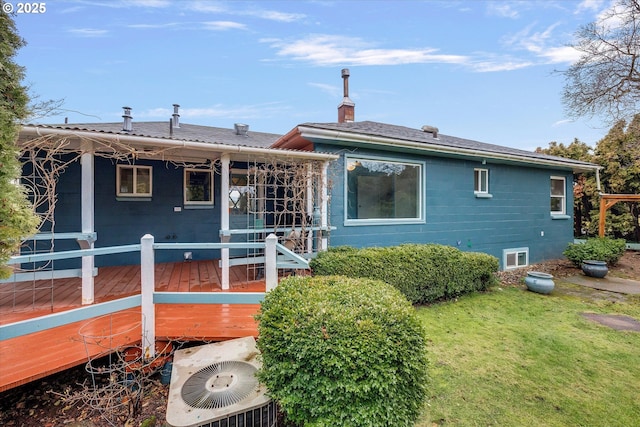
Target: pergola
(608, 200)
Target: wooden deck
(27, 358)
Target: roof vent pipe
(127, 124)
(241, 129)
(175, 117)
(346, 109)
(430, 129)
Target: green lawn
(511, 357)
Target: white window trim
(515, 251)
(478, 192)
(564, 197)
(135, 179)
(184, 188)
(386, 221)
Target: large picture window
(133, 181)
(198, 187)
(558, 195)
(383, 191)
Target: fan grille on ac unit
(219, 385)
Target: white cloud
(153, 26)
(148, 3)
(330, 50)
(88, 32)
(272, 109)
(504, 10)
(589, 5)
(331, 90)
(273, 15)
(484, 66)
(557, 55)
(537, 43)
(224, 25)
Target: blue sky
(482, 70)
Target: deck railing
(275, 256)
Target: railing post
(147, 279)
(270, 262)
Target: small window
(515, 258)
(198, 187)
(133, 181)
(481, 181)
(558, 195)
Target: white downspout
(224, 218)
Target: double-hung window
(558, 195)
(383, 191)
(133, 181)
(198, 187)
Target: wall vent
(430, 129)
(241, 129)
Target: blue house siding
(517, 215)
(119, 221)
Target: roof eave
(311, 132)
(135, 140)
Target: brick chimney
(346, 109)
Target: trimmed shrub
(423, 273)
(598, 248)
(339, 351)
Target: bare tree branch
(605, 81)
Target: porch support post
(224, 218)
(324, 207)
(270, 262)
(87, 219)
(147, 279)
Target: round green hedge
(340, 351)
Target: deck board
(27, 358)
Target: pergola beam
(608, 200)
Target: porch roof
(192, 141)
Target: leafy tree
(17, 218)
(606, 78)
(585, 191)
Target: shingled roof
(386, 136)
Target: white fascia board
(334, 135)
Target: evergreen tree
(17, 219)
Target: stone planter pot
(541, 283)
(593, 268)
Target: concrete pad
(611, 284)
(615, 321)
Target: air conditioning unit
(214, 385)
